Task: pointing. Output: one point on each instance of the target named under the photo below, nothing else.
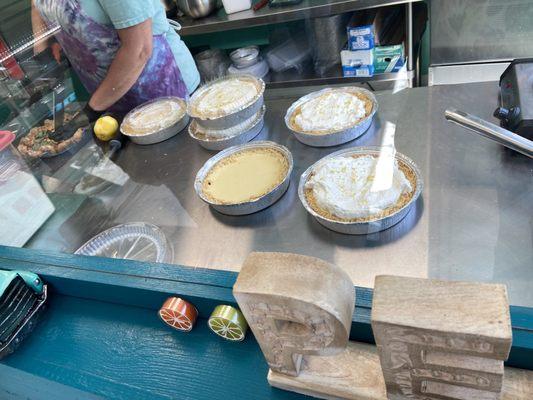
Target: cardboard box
(388, 58)
(357, 63)
(361, 37)
(376, 27)
(357, 58)
(361, 71)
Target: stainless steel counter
(473, 222)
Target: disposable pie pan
(236, 117)
(133, 241)
(243, 135)
(158, 134)
(331, 137)
(372, 225)
(247, 207)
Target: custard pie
(331, 111)
(245, 176)
(225, 97)
(356, 188)
(154, 116)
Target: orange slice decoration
(178, 313)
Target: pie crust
(248, 174)
(368, 104)
(402, 201)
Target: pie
(331, 111)
(215, 134)
(350, 188)
(154, 116)
(225, 97)
(38, 143)
(245, 176)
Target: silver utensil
(491, 131)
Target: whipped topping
(332, 110)
(227, 96)
(345, 186)
(153, 117)
(242, 127)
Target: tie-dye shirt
(90, 41)
(125, 13)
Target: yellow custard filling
(245, 176)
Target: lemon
(106, 128)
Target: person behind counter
(124, 51)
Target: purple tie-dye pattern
(91, 47)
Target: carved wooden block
(295, 305)
(441, 340)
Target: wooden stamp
(441, 340)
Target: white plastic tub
(233, 6)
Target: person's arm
(37, 26)
(134, 52)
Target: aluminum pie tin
(362, 228)
(215, 144)
(248, 207)
(332, 138)
(133, 241)
(162, 134)
(236, 117)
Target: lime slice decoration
(228, 322)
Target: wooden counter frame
(147, 285)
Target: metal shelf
(220, 21)
(307, 77)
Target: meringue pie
(331, 111)
(347, 189)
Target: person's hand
(82, 119)
(56, 51)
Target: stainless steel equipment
(491, 131)
(197, 8)
(516, 98)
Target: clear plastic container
(133, 241)
(233, 6)
(24, 207)
(289, 54)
